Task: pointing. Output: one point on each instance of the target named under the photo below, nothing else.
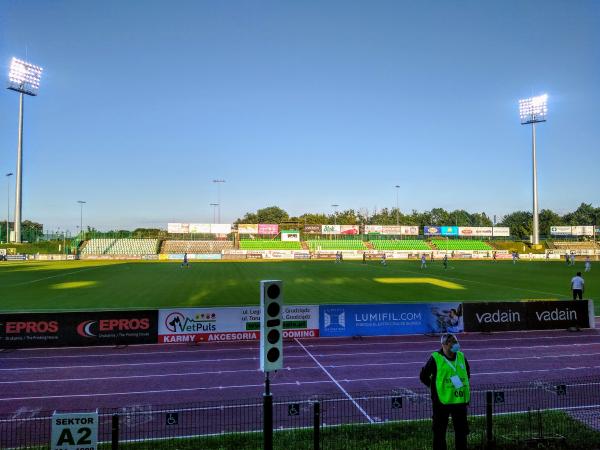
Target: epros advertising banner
(268, 228)
(531, 315)
(231, 324)
(78, 329)
(390, 319)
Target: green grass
(511, 432)
(113, 284)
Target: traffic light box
(271, 325)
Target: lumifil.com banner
(231, 324)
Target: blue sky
(298, 104)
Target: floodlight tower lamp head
(533, 109)
(24, 77)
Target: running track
(36, 380)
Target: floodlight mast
(23, 78)
(534, 110)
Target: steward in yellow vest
(447, 374)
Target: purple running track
(67, 379)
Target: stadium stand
(461, 244)
(173, 246)
(339, 244)
(120, 247)
(269, 244)
(404, 244)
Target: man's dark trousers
(440, 425)
(577, 293)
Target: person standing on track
(185, 262)
(588, 264)
(445, 261)
(577, 286)
(447, 374)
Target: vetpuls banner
(390, 319)
(231, 324)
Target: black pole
(489, 412)
(115, 432)
(317, 425)
(267, 415)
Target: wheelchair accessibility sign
(172, 418)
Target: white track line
(293, 383)
(364, 413)
(428, 341)
(322, 355)
(330, 366)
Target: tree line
(520, 222)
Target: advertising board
(373, 229)
(560, 231)
(200, 228)
(390, 319)
(330, 229)
(268, 228)
(248, 228)
(178, 228)
(582, 230)
(409, 230)
(231, 324)
(220, 228)
(312, 229)
(290, 235)
(475, 231)
(391, 229)
(501, 231)
(78, 328)
(530, 315)
(449, 231)
(432, 231)
(349, 229)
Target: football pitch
(73, 285)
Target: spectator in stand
(577, 286)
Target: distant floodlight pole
(218, 183)
(397, 207)
(334, 206)
(81, 203)
(214, 205)
(534, 110)
(8, 175)
(23, 78)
